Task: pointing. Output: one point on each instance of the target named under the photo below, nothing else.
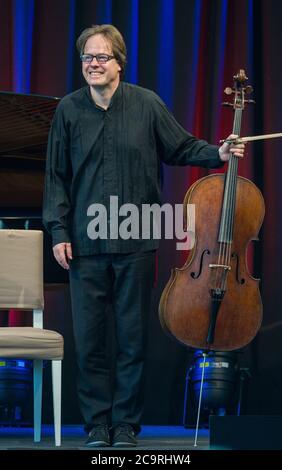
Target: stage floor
(73, 437)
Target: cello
(213, 302)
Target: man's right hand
(63, 253)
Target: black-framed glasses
(101, 58)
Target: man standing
(108, 139)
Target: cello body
(213, 302)
(186, 302)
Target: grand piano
(24, 125)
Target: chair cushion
(31, 343)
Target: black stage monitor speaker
(246, 432)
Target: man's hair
(112, 34)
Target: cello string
(232, 214)
(223, 231)
(224, 225)
(228, 211)
(236, 130)
(227, 220)
(237, 127)
(229, 215)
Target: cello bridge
(222, 266)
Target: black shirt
(95, 153)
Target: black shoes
(99, 436)
(124, 436)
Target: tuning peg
(229, 91)
(249, 89)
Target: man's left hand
(226, 149)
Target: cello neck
(237, 121)
(229, 198)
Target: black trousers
(125, 281)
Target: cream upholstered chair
(21, 287)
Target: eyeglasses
(101, 58)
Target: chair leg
(57, 398)
(37, 401)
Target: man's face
(100, 75)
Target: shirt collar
(115, 100)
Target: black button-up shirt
(95, 153)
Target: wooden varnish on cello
(213, 302)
